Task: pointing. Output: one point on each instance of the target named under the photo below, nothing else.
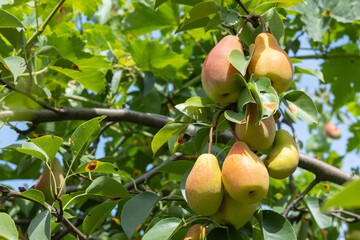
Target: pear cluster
(231, 195)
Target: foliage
(63, 63)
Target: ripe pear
(217, 75)
(271, 61)
(332, 130)
(203, 188)
(244, 175)
(258, 137)
(283, 159)
(46, 180)
(196, 232)
(232, 212)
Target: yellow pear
(271, 61)
(283, 159)
(203, 188)
(232, 212)
(244, 175)
(258, 137)
(45, 180)
(217, 75)
(196, 232)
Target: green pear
(260, 136)
(217, 75)
(271, 61)
(45, 182)
(283, 159)
(203, 188)
(244, 175)
(196, 232)
(233, 212)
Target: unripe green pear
(45, 180)
(283, 159)
(232, 212)
(203, 188)
(258, 137)
(271, 61)
(196, 232)
(244, 175)
(217, 75)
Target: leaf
(287, 3)
(301, 105)
(229, 17)
(49, 144)
(8, 20)
(165, 133)
(108, 187)
(49, 51)
(34, 195)
(15, 64)
(195, 108)
(314, 72)
(102, 167)
(201, 138)
(240, 61)
(276, 25)
(345, 11)
(163, 229)
(268, 96)
(177, 167)
(7, 227)
(322, 220)
(39, 227)
(136, 210)
(200, 11)
(31, 149)
(86, 7)
(275, 226)
(97, 216)
(234, 117)
(347, 197)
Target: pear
(217, 75)
(232, 212)
(271, 61)
(196, 232)
(332, 130)
(244, 175)
(45, 180)
(203, 188)
(258, 137)
(283, 159)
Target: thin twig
(242, 27)
(231, 28)
(196, 42)
(24, 132)
(300, 197)
(262, 23)
(355, 217)
(97, 140)
(243, 6)
(213, 127)
(84, 177)
(232, 131)
(290, 124)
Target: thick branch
(322, 170)
(328, 56)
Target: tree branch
(321, 169)
(328, 56)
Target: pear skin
(271, 61)
(196, 232)
(232, 212)
(217, 75)
(244, 175)
(203, 187)
(258, 137)
(45, 180)
(283, 159)
(332, 130)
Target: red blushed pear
(196, 232)
(244, 175)
(271, 61)
(217, 76)
(332, 130)
(203, 188)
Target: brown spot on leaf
(92, 165)
(326, 186)
(269, 106)
(293, 108)
(179, 140)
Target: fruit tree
(179, 119)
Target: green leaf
(177, 167)
(236, 117)
(269, 99)
(314, 72)
(275, 226)
(49, 51)
(39, 227)
(8, 20)
(108, 187)
(195, 108)
(240, 61)
(7, 227)
(34, 195)
(84, 135)
(276, 25)
(97, 216)
(15, 64)
(229, 17)
(213, 23)
(165, 133)
(201, 138)
(200, 11)
(301, 105)
(101, 167)
(345, 11)
(347, 197)
(163, 229)
(86, 7)
(287, 3)
(136, 210)
(322, 220)
(31, 149)
(49, 144)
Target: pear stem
(262, 22)
(213, 127)
(243, 6)
(232, 131)
(242, 27)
